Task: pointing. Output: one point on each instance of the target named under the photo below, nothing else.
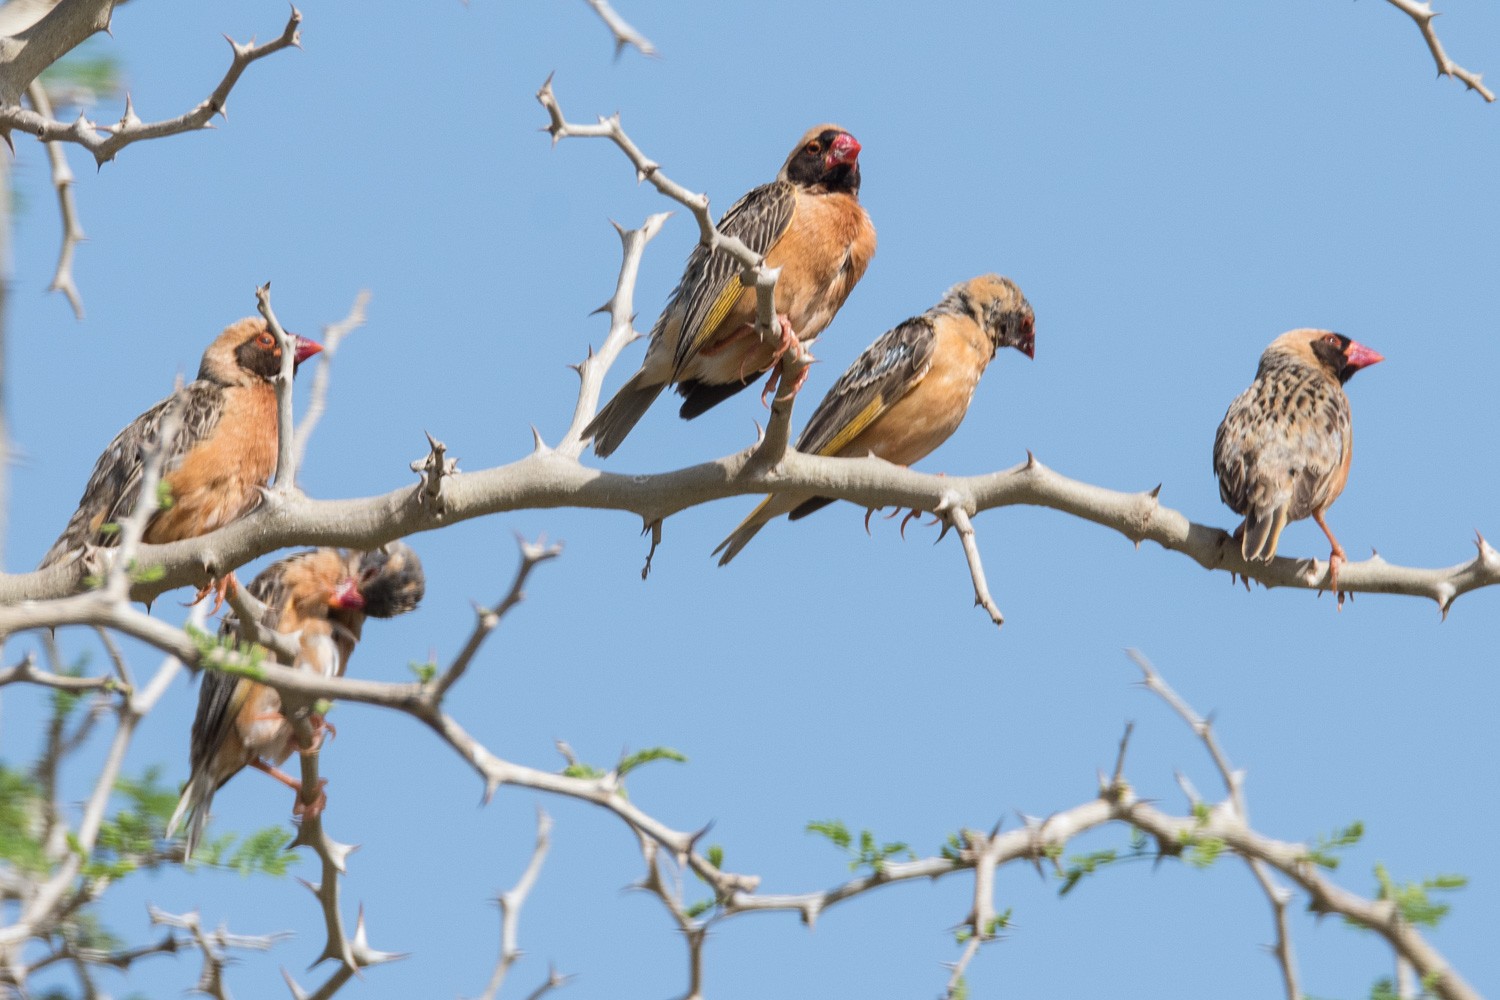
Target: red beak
(346, 596)
(304, 348)
(845, 149)
(1359, 356)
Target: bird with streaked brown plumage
(908, 392)
(223, 452)
(809, 223)
(1283, 450)
(323, 596)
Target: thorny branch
(62, 179)
(286, 453)
(215, 947)
(510, 910)
(754, 272)
(621, 29)
(105, 141)
(317, 400)
(1234, 783)
(1421, 12)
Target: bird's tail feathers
(770, 508)
(621, 414)
(196, 799)
(1262, 533)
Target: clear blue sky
(1172, 185)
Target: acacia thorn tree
(828, 730)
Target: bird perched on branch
(809, 223)
(323, 597)
(223, 451)
(908, 392)
(1283, 450)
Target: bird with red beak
(1283, 450)
(222, 452)
(810, 224)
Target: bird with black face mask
(809, 223)
(223, 452)
(1283, 450)
(906, 393)
(322, 596)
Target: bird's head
(246, 353)
(1334, 353)
(390, 580)
(345, 595)
(998, 306)
(826, 156)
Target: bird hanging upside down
(809, 223)
(323, 596)
(908, 392)
(1282, 452)
(223, 452)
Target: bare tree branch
(624, 34)
(317, 401)
(510, 908)
(105, 141)
(548, 479)
(215, 947)
(621, 310)
(286, 452)
(1423, 14)
(532, 553)
(1234, 783)
(62, 179)
(754, 272)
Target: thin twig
(623, 33)
(510, 907)
(62, 180)
(532, 553)
(1423, 14)
(1277, 895)
(105, 141)
(317, 400)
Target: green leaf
(425, 671)
(1081, 865)
(960, 989)
(699, 908)
(263, 851)
(163, 495)
(834, 830)
(1322, 854)
(646, 756)
(20, 805)
(587, 771)
(1205, 851)
(1412, 899)
(715, 856)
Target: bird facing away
(809, 223)
(1283, 450)
(324, 596)
(223, 452)
(908, 392)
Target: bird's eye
(265, 340)
(814, 147)
(1333, 339)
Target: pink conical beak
(304, 348)
(1359, 356)
(346, 595)
(845, 149)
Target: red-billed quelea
(1283, 450)
(323, 596)
(908, 392)
(809, 223)
(223, 452)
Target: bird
(1283, 450)
(223, 451)
(809, 223)
(908, 392)
(322, 596)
